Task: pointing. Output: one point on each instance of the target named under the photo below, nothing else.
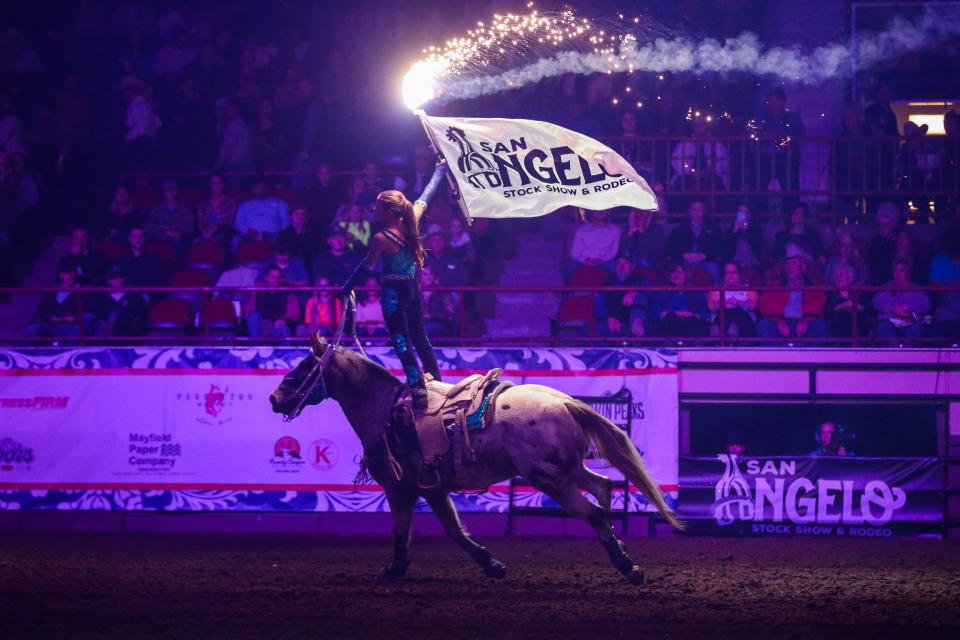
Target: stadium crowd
(220, 144)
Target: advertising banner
(184, 429)
(811, 496)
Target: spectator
(740, 316)
(88, 263)
(595, 243)
(11, 127)
(355, 227)
(122, 313)
(142, 124)
(356, 194)
(846, 307)
(140, 268)
(263, 216)
(644, 241)
(832, 441)
(855, 160)
(945, 270)
(274, 312)
(846, 254)
(322, 312)
(61, 313)
(883, 243)
(239, 276)
(372, 179)
(321, 198)
(779, 152)
(172, 221)
(175, 56)
(270, 142)
(423, 162)
(696, 243)
(461, 244)
(736, 443)
(797, 312)
(904, 248)
(448, 270)
(236, 141)
(622, 313)
(743, 244)
(799, 235)
(297, 236)
(292, 268)
(879, 118)
(901, 309)
(369, 316)
(441, 309)
(218, 211)
(700, 163)
(920, 161)
(337, 262)
(680, 313)
(122, 216)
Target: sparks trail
(516, 50)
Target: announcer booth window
(824, 429)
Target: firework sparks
(514, 50)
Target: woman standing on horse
(400, 298)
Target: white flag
(526, 168)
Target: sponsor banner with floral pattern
(188, 429)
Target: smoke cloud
(743, 54)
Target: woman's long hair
(402, 210)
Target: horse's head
(302, 380)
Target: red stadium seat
(254, 253)
(207, 255)
(219, 316)
(588, 277)
(700, 277)
(190, 279)
(170, 317)
(648, 273)
(751, 276)
(113, 250)
(162, 251)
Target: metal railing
(193, 329)
(843, 176)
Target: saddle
(458, 408)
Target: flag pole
(454, 188)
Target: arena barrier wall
(829, 497)
(190, 429)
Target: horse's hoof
(635, 575)
(495, 569)
(392, 572)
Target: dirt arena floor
(273, 586)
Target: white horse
(537, 432)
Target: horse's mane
(378, 373)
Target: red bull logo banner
(812, 496)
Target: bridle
(315, 379)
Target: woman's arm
(377, 244)
(431, 189)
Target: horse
(537, 432)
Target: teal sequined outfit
(402, 305)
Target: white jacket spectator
(698, 157)
(596, 242)
(142, 120)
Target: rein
(315, 377)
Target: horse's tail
(618, 449)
